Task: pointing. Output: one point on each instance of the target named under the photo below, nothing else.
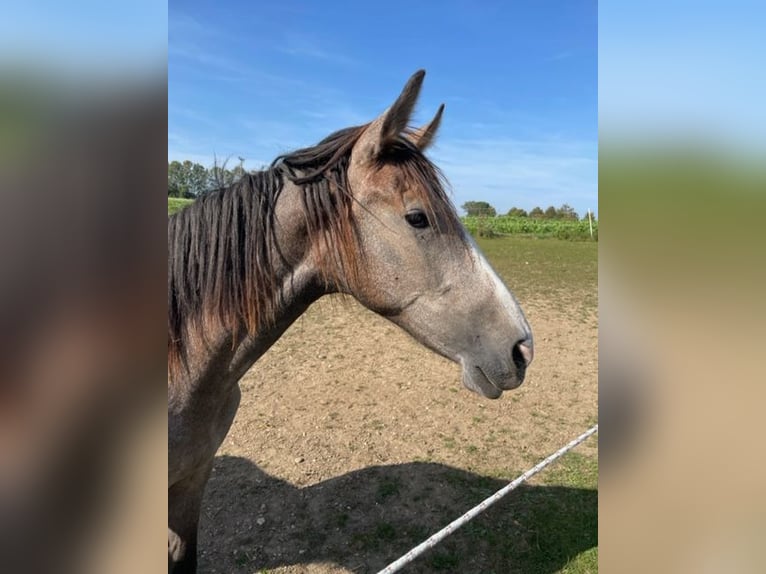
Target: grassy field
(176, 204)
(557, 228)
(494, 226)
(565, 273)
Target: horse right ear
(424, 136)
(388, 126)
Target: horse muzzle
(490, 382)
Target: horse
(362, 213)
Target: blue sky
(519, 80)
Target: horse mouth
(483, 383)
(477, 380)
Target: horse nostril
(523, 352)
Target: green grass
(543, 528)
(573, 469)
(556, 228)
(387, 488)
(576, 470)
(444, 561)
(548, 527)
(565, 271)
(176, 204)
(375, 538)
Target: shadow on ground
(363, 520)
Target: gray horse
(362, 213)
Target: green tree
(197, 177)
(536, 213)
(219, 176)
(479, 208)
(550, 213)
(567, 212)
(186, 179)
(517, 212)
(175, 179)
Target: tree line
(188, 179)
(484, 209)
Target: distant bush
(483, 229)
(490, 227)
(478, 208)
(570, 229)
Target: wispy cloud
(185, 24)
(523, 173)
(204, 58)
(192, 115)
(258, 138)
(563, 55)
(306, 46)
(217, 67)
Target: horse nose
(523, 352)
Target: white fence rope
(482, 506)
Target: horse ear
(393, 121)
(424, 136)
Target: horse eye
(417, 219)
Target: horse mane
(222, 247)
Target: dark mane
(222, 248)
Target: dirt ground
(353, 443)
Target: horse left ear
(424, 136)
(393, 121)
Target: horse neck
(300, 291)
(298, 281)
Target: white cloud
(508, 172)
(304, 45)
